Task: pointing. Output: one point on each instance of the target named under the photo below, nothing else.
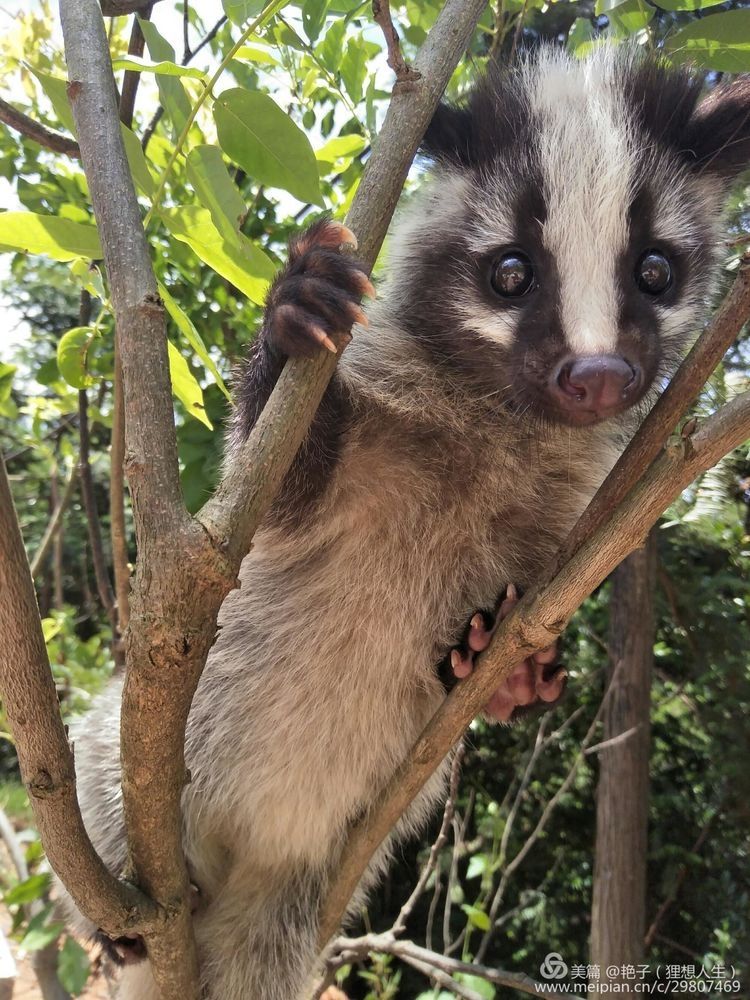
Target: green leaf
(185, 386)
(343, 147)
(581, 36)
(332, 46)
(254, 132)
(254, 54)
(354, 69)
(720, 42)
(314, 17)
(61, 239)
(166, 67)
(686, 4)
(239, 11)
(72, 353)
(476, 917)
(34, 887)
(248, 268)
(478, 985)
(185, 326)
(626, 18)
(478, 865)
(6, 380)
(137, 162)
(88, 276)
(171, 91)
(56, 90)
(72, 966)
(40, 932)
(209, 178)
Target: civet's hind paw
(130, 949)
(122, 950)
(316, 298)
(537, 680)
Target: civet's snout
(586, 390)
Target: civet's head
(566, 247)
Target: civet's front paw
(537, 680)
(316, 298)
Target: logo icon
(553, 966)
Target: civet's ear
(449, 136)
(716, 140)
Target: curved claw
(532, 681)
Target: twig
(158, 114)
(542, 822)
(88, 493)
(612, 741)
(185, 30)
(131, 78)
(54, 523)
(53, 141)
(381, 12)
(399, 925)
(431, 963)
(653, 932)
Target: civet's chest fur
(543, 284)
(333, 639)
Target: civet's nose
(591, 388)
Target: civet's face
(573, 229)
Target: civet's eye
(512, 275)
(653, 273)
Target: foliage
(261, 127)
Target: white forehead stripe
(586, 160)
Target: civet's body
(544, 281)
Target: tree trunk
(619, 896)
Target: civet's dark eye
(512, 275)
(653, 273)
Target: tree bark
(618, 919)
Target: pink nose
(596, 386)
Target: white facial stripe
(492, 325)
(586, 158)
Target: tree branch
(53, 141)
(101, 573)
(45, 758)
(54, 523)
(535, 623)
(244, 495)
(431, 963)
(381, 12)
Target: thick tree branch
(244, 495)
(165, 651)
(53, 141)
(45, 758)
(537, 621)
